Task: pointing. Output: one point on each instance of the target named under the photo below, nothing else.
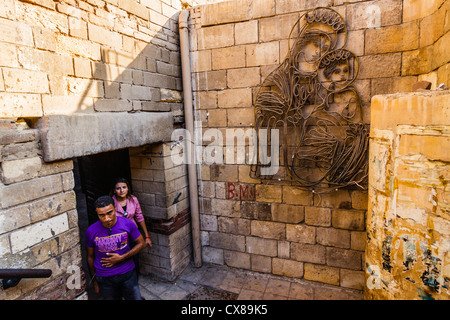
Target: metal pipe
(24, 273)
(189, 118)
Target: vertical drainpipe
(189, 118)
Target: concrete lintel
(65, 137)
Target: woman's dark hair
(120, 180)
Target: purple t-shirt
(115, 241)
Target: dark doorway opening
(94, 175)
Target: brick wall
(93, 59)
(408, 226)
(275, 227)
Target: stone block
(218, 36)
(359, 200)
(16, 32)
(211, 80)
(262, 54)
(78, 47)
(260, 246)
(262, 8)
(322, 273)
(284, 249)
(261, 263)
(286, 6)
(228, 58)
(66, 137)
(37, 232)
(432, 27)
(301, 233)
(255, 210)
(380, 66)
(27, 81)
(297, 196)
(374, 14)
(333, 237)
(308, 253)
(237, 259)
(201, 61)
(316, 216)
(234, 225)
(224, 173)
(338, 199)
(287, 268)
(287, 213)
(352, 279)
(269, 230)
(246, 32)
(212, 255)
(415, 10)
(208, 222)
(243, 77)
(398, 38)
(417, 61)
(337, 257)
(268, 193)
(14, 218)
(358, 240)
(235, 98)
(226, 208)
(224, 12)
(21, 192)
(348, 219)
(134, 8)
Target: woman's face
(121, 189)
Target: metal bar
(24, 273)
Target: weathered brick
(215, 36)
(316, 216)
(262, 54)
(246, 32)
(19, 80)
(14, 218)
(287, 213)
(348, 219)
(308, 253)
(227, 208)
(227, 58)
(37, 232)
(297, 196)
(288, 268)
(255, 210)
(21, 192)
(343, 258)
(234, 225)
(210, 80)
(301, 233)
(321, 273)
(237, 259)
(268, 193)
(270, 230)
(333, 237)
(380, 66)
(397, 38)
(235, 98)
(260, 246)
(352, 279)
(261, 263)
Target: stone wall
(162, 188)
(408, 224)
(88, 76)
(277, 227)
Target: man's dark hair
(103, 201)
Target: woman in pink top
(128, 206)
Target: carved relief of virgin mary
(309, 98)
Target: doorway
(94, 175)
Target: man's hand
(112, 260)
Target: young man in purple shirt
(109, 254)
